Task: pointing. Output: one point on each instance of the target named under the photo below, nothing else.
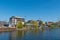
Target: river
(48, 34)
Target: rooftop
(16, 17)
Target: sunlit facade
(14, 20)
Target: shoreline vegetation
(31, 25)
(24, 28)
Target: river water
(48, 34)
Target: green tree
(35, 24)
(19, 24)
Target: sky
(46, 10)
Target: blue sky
(46, 10)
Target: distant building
(40, 23)
(4, 24)
(58, 23)
(49, 23)
(14, 20)
(30, 23)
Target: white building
(14, 20)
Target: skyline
(46, 10)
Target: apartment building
(14, 20)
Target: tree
(35, 24)
(40, 22)
(19, 24)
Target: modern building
(14, 20)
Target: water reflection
(12, 35)
(43, 34)
(20, 35)
(4, 35)
(34, 32)
(17, 35)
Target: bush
(19, 25)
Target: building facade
(14, 20)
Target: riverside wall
(7, 29)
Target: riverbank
(12, 29)
(7, 29)
(24, 28)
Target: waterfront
(47, 34)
